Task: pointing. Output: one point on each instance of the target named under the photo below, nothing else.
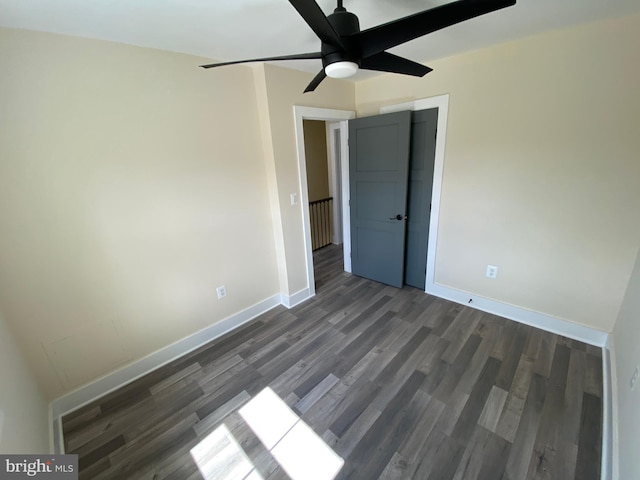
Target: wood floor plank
(589, 444)
(485, 456)
(188, 370)
(95, 469)
(475, 403)
(399, 384)
(133, 457)
(356, 431)
(572, 407)
(306, 402)
(522, 450)
(492, 409)
(545, 354)
(89, 458)
(213, 420)
(593, 376)
(514, 405)
(512, 358)
(454, 374)
(441, 459)
(545, 461)
(348, 354)
(416, 438)
(395, 469)
(361, 463)
(380, 390)
(459, 331)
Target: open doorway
(323, 160)
(300, 113)
(337, 172)
(324, 221)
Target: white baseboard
(297, 298)
(114, 380)
(608, 406)
(529, 317)
(610, 412)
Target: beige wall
(24, 424)
(132, 183)
(541, 173)
(283, 89)
(315, 152)
(626, 357)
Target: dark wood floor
(397, 383)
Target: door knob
(397, 217)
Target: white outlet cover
(221, 291)
(294, 199)
(492, 271)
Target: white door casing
(327, 115)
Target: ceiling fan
(345, 49)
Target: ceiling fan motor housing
(344, 23)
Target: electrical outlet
(634, 378)
(294, 198)
(221, 291)
(492, 271)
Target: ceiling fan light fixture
(341, 69)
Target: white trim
(522, 315)
(610, 412)
(112, 381)
(346, 210)
(335, 177)
(441, 102)
(55, 433)
(608, 396)
(58, 437)
(297, 298)
(312, 113)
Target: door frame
(441, 102)
(335, 176)
(328, 115)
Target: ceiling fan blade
(299, 56)
(388, 62)
(316, 19)
(316, 81)
(377, 39)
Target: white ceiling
(239, 29)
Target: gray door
(423, 152)
(378, 172)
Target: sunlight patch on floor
(219, 456)
(301, 453)
(294, 445)
(269, 417)
(305, 456)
